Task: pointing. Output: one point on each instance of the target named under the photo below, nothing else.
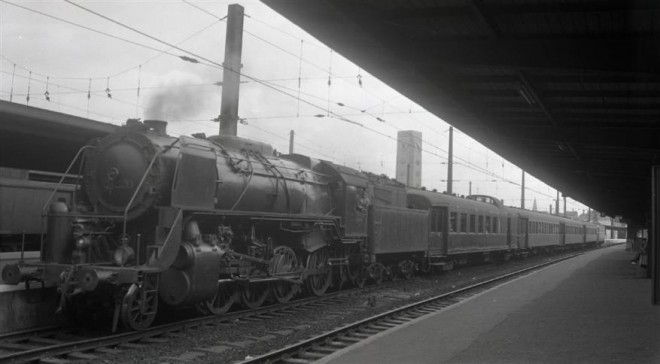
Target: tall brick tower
(409, 158)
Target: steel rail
(336, 335)
(112, 340)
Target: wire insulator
(11, 92)
(47, 94)
(27, 98)
(107, 88)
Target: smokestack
(158, 126)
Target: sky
(121, 59)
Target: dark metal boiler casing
(222, 173)
(250, 178)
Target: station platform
(21, 308)
(595, 308)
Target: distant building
(409, 158)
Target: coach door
(523, 233)
(438, 231)
(509, 238)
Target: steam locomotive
(209, 222)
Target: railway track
(327, 343)
(56, 344)
(62, 345)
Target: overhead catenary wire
(301, 59)
(142, 45)
(334, 115)
(156, 39)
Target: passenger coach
(479, 227)
(461, 226)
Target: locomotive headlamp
(83, 242)
(122, 255)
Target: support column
(653, 246)
(231, 74)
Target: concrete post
(231, 74)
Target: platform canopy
(567, 90)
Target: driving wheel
(284, 261)
(320, 272)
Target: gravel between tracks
(233, 342)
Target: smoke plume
(176, 104)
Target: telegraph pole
(231, 74)
(450, 162)
(522, 191)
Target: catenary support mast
(231, 74)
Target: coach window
(496, 225)
(452, 222)
(488, 228)
(464, 223)
(473, 223)
(480, 223)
